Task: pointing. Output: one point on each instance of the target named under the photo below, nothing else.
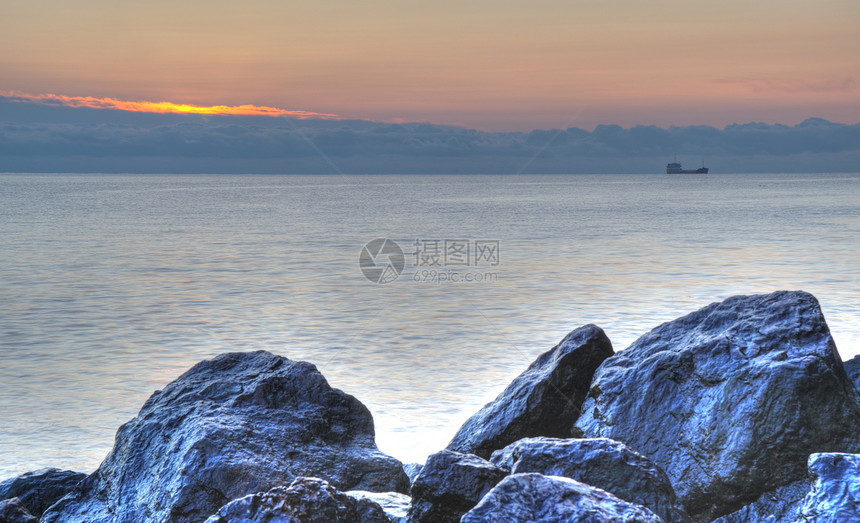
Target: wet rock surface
(835, 492)
(730, 400)
(776, 506)
(237, 424)
(40, 489)
(13, 511)
(535, 497)
(449, 485)
(545, 400)
(412, 470)
(603, 463)
(852, 368)
(305, 500)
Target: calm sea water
(112, 286)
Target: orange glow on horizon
(162, 107)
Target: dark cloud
(61, 139)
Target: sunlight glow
(161, 107)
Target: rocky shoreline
(740, 411)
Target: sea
(423, 296)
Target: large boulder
(449, 485)
(603, 463)
(535, 497)
(40, 489)
(835, 493)
(729, 400)
(13, 511)
(231, 426)
(305, 500)
(544, 400)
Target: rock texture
(40, 489)
(544, 400)
(776, 506)
(237, 424)
(13, 511)
(603, 463)
(535, 497)
(449, 485)
(852, 368)
(394, 504)
(729, 400)
(835, 493)
(412, 470)
(306, 500)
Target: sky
(489, 65)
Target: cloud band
(161, 107)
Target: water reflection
(114, 285)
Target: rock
(306, 500)
(13, 511)
(40, 489)
(412, 470)
(231, 426)
(776, 506)
(450, 484)
(394, 504)
(603, 463)
(852, 368)
(535, 497)
(729, 400)
(544, 400)
(835, 493)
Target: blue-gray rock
(729, 400)
(412, 470)
(394, 504)
(852, 368)
(544, 499)
(13, 511)
(600, 462)
(231, 426)
(449, 485)
(40, 489)
(305, 500)
(835, 493)
(545, 400)
(776, 506)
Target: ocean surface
(112, 286)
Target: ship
(675, 168)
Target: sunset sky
(491, 65)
